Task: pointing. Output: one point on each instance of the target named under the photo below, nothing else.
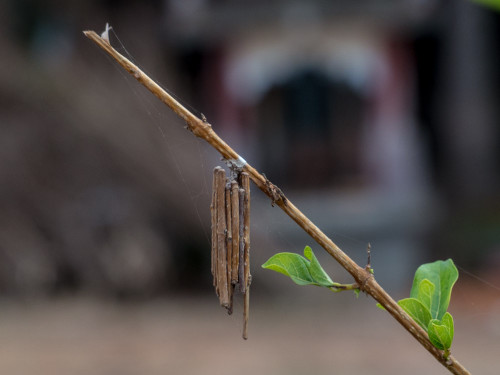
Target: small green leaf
(425, 292)
(417, 310)
(303, 271)
(317, 272)
(441, 332)
(292, 265)
(443, 275)
(448, 321)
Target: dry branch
(213, 214)
(245, 183)
(363, 277)
(220, 192)
(241, 247)
(229, 247)
(235, 218)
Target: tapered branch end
(103, 37)
(92, 35)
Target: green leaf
(292, 265)
(417, 310)
(443, 275)
(317, 272)
(425, 292)
(448, 321)
(302, 271)
(441, 332)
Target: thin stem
(221, 225)
(229, 247)
(336, 287)
(235, 222)
(247, 278)
(202, 129)
(213, 214)
(246, 312)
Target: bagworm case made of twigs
(230, 212)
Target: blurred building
(376, 115)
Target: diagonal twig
(202, 129)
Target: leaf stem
(364, 279)
(336, 287)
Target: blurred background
(379, 120)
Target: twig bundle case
(230, 211)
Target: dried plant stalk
(220, 191)
(229, 233)
(213, 214)
(229, 247)
(245, 184)
(241, 262)
(235, 218)
(246, 312)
